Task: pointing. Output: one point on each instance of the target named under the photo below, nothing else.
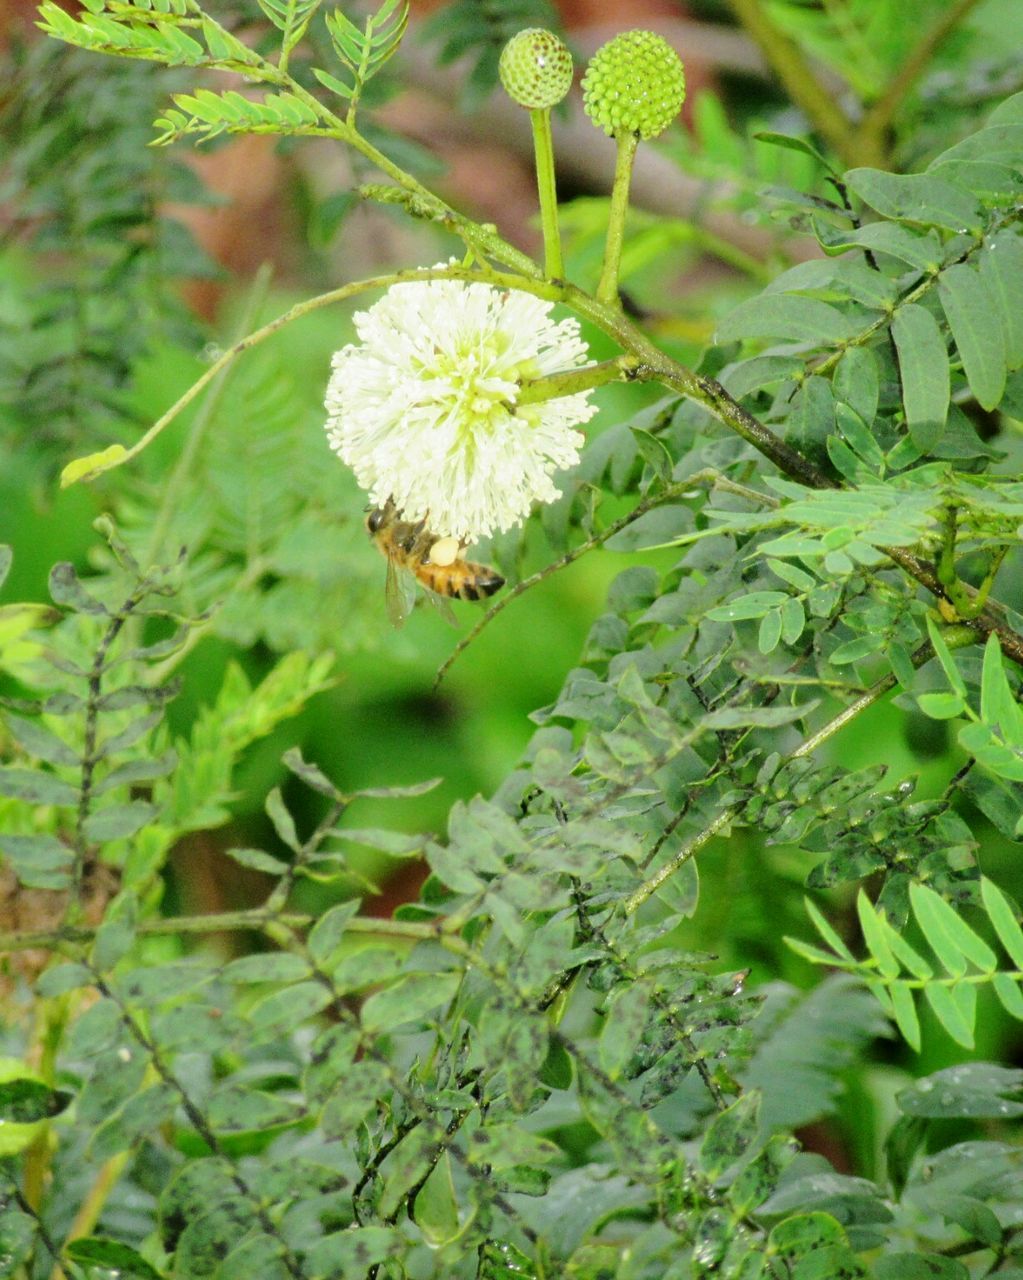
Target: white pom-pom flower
(424, 408)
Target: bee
(414, 554)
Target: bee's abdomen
(469, 581)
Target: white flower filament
(424, 407)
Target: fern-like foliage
(994, 734)
(805, 1042)
(82, 188)
(181, 35)
(94, 766)
(292, 18)
(363, 52)
(534, 1070)
(896, 971)
(276, 541)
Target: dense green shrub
(557, 1061)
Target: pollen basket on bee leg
(445, 551)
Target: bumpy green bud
(634, 84)
(536, 68)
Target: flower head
(424, 408)
(536, 68)
(634, 84)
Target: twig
(796, 74)
(880, 116)
(513, 593)
(810, 744)
(14, 1192)
(256, 919)
(199, 1123)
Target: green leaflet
(916, 248)
(896, 972)
(1001, 271)
(917, 198)
(790, 316)
(975, 319)
(411, 998)
(972, 1089)
(730, 1135)
(923, 363)
(111, 1255)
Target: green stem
(525, 584)
(572, 381)
(966, 602)
(289, 22)
(709, 476)
(929, 282)
(946, 566)
(543, 149)
(977, 604)
(689, 850)
(344, 131)
(253, 340)
(255, 918)
(171, 491)
(607, 289)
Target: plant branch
(12, 1192)
(573, 381)
(139, 1032)
(877, 121)
(653, 365)
(75, 471)
(809, 744)
(346, 132)
(597, 539)
(795, 73)
(254, 918)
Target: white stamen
(423, 408)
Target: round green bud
(634, 84)
(536, 68)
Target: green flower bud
(536, 68)
(634, 84)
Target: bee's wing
(399, 592)
(440, 603)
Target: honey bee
(414, 554)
